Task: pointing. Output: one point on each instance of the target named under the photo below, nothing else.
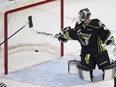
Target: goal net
(22, 46)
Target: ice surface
(53, 73)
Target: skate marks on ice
(53, 74)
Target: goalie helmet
(84, 14)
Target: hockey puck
(36, 50)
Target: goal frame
(22, 8)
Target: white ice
(45, 70)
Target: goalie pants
(91, 60)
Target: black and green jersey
(91, 36)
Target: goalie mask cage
(14, 15)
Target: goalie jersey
(91, 36)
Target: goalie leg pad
(115, 79)
(85, 73)
(72, 67)
(109, 71)
(75, 68)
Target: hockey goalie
(92, 34)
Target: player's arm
(105, 34)
(107, 37)
(69, 33)
(64, 34)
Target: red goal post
(26, 4)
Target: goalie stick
(28, 22)
(56, 35)
(44, 33)
(53, 36)
(48, 34)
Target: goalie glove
(66, 29)
(61, 37)
(110, 41)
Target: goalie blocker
(75, 68)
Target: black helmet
(84, 14)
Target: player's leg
(115, 80)
(87, 61)
(103, 61)
(83, 68)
